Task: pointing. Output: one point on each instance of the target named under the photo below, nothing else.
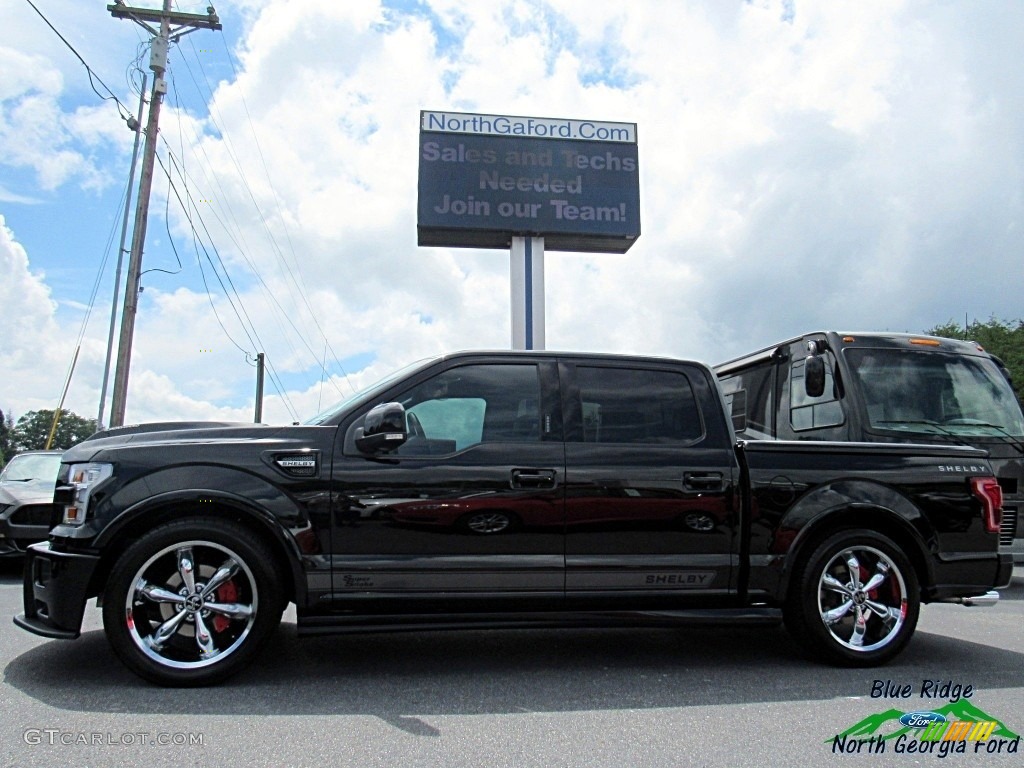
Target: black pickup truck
(505, 490)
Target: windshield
(935, 393)
(31, 466)
(365, 394)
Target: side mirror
(383, 429)
(814, 376)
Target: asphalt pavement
(723, 695)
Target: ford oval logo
(922, 719)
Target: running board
(316, 625)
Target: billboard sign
(486, 178)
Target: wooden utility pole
(121, 252)
(173, 26)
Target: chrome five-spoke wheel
(862, 599)
(854, 599)
(192, 601)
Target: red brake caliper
(864, 577)
(226, 593)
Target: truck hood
(177, 432)
(164, 426)
(27, 492)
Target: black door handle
(702, 481)
(533, 478)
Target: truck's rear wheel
(854, 600)
(191, 602)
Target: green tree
(32, 430)
(1003, 339)
(6, 437)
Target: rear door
(650, 483)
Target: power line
(124, 111)
(295, 282)
(103, 266)
(284, 316)
(88, 314)
(239, 232)
(243, 249)
(189, 20)
(197, 243)
(239, 310)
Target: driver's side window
(458, 420)
(472, 404)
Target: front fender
(134, 506)
(200, 485)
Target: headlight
(83, 479)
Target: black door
(649, 485)
(471, 507)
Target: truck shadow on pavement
(392, 676)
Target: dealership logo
(922, 719)
(958, 727)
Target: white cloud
(24, 298)
(31, 356)
(36, 133)
(811, 164)
(6, 196)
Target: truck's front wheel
(854, 600)
(191, 602)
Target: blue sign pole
(526, 275)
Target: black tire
(229, 567)
(830, 611)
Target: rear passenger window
(637, 406)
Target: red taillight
(991, 497)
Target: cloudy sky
(803, 165)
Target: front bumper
(56, 588)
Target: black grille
(1008, 529)
(34, 514)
